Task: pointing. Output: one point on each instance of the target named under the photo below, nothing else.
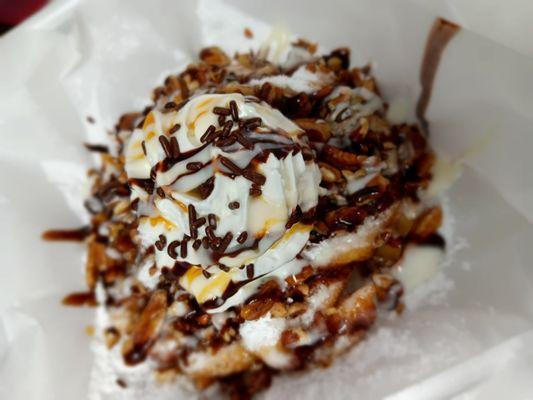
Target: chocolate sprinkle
(234, 205)
(225, 242)
(255, 191)
(171, 106)
(183, 248)
(171, 250)
(227, 128)
(234, 110)
(205, 188)
(226, 142)
(230, 165)
(253, 123)
(192, 219)
(160, 192)
(161, 243)
(257, 178)
(212, 220)
(223, 268)
(153, 174)
(210, 234)
(243, 140)
(209, 134)
(174, 147)
(250, 271)
(194, 166)
(206, 273)
(221, 111)
(165, 145)
(242, 237)
(145, 184)
(197, 243)
(174, 129)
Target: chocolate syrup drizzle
(442, 32)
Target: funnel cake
(247, 223)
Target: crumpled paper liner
(465, 334)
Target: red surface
(13, 12)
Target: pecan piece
(171, 85)
(214, 56)
(358, 310)
(330, 174)
(341, 159)
(303, 289)
(270, 93)
(146, 329)
(263, 302)
(256, 308)
(428, 223)
(389, 253)
(315, 131)
(278, 310)
(245, 59)
(234, 87)
(345, 217)
(378, 124)
(289, 337)
(402, 225)
(304, 44)
(300, 277)
(370, 84)
(296, 309)
(127, 121)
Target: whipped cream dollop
(221, 184)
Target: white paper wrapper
(468, 333)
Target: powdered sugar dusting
(315, 301)
(323, 252)
(262, 332)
